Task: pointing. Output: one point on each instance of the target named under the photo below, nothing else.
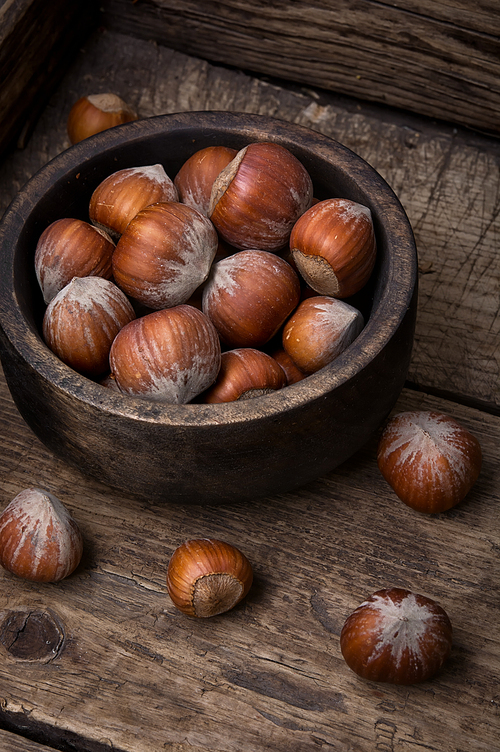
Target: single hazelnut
(95, 113)
(122, 195)
(259, 196)
(245, 373)
(249, 295)
(319, 330)
(164, 254)
(39, 539)
(207, 577)
(70, 248)
(333, 247)
(170, 355)
(81, 322)
(429, 459)
(396, 636)
(292, 373)
(196, 177)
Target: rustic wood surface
(10, 742)
(437, 58)
(37, 42)
(118, 667)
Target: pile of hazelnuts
(227, 282)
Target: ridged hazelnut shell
(39, 539)
(70, 248)
(396, 636)
(319, 330)
(259, 196)
(81, 322)
(206, 577)
(429, 459)
(249, 296)
(95, 113)
(122, 195)
(333, 247)
(170, 355)
(195, 179)
(245, 373)
(164, 254)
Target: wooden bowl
(195, 452)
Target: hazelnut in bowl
(181, 448)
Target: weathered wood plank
(10, 742)
(433, 58)
(134, 673)
(37, 41)
(447, 180)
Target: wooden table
(103, 660)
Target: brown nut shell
(95, 113)
(333, 247)
(319, 330)
(195, 179)
(206, 577)
(169, 356)
(39, 539)
(429, 459)
(165, 254)
(70, 248)
(249, 296)
(81, 322)
(259, 196)
(122, 195)
(396, 636)
(245, 373)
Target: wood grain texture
(446, 178)
(440, 59)
(37, 41)
(10, 742)
(135, 674)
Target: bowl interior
(63, 189)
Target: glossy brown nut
(292, 373)
(249, 296)
(95, 113)
(396, 636)
(319, 330)
(164, 254)
(122, 195)
(245, 373)
(206, 577)
(169, 356)
(39, 539)
(259, 196)
(429, 459)
(333, 247)
(196, 177)
(81, 322)
(70, 248)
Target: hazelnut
(196, 177)
(319, 330)
(122, 195)
(95, 113)
(81, 322)
(70, 248)
(259, 196)
(249, 295)
(333, 247)
(245, 373)
(428, 459)
(170, 355)
(396, 636)
(39, 539)
(164, 254)
(207, 577)
(292, 373)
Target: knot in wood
(32, 635)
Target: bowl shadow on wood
(206, 453)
